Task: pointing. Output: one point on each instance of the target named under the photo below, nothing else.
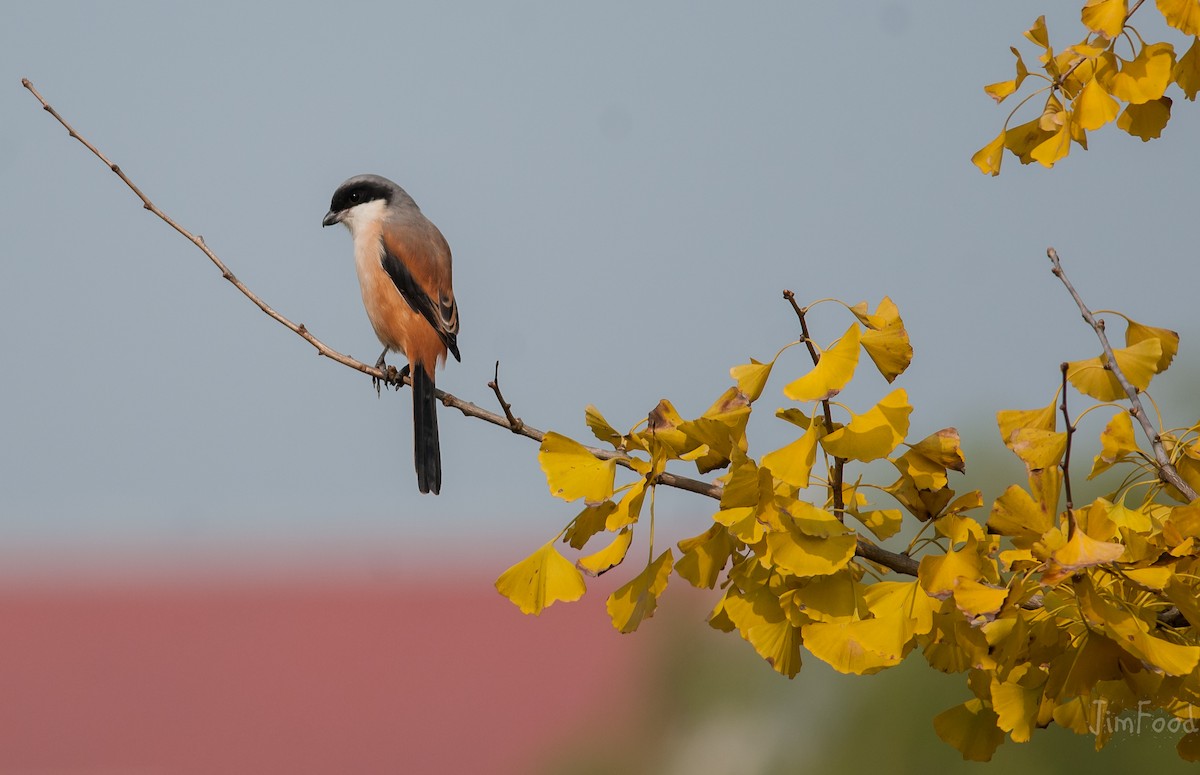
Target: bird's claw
(392, 377)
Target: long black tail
(427, 453)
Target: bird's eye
(355, 197)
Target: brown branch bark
(898, 562)
(1065, 466)
(1166, 470)
(839, 464)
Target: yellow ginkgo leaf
(637, 600)
(1016, 701)
(721, 429)
(751, 377)
(927, 461)
(860, 647)
(1167, 339)
(1116, 443)
(662, 426)
(835, 598)
(1136, 520)
(886, 315)
(793, 463)
(760, 619)
(888, 347)
(1081, 551)
(629, 508)
(797, 553)
(742, 522)
(1186, 72)
(588, 523)
(1184, 520)
(1037, 34)
(607, 558)
(1145, 77)
(831, 373)
(743, 484)
(1054, 147)
(1094, 107)
(1106, 17)
(1053, 116)
(600, 427)
(574, 472)
(988, 158)
(975, 598)
(1183, 15)
(1037, 448)
(1146, 120)
(970, 728)
(540, 580)
(998, 91)
(814, 521)
(705, 556)
(1154, 578)
(883, 523)
(1023, 139)
(1138, 363)
(1012, 420)
(922, 504)
(939, 573)
(903, 597)
(1095, 520)
(873, 434)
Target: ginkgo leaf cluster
(1051, 610)
(1111, 76)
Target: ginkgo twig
(1166, 470)
(839, 464)
(1062, 79)
(515, 423)
(900, 563)
(1066, 462)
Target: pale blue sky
(626, 189)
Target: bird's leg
(390, 375)
(381, 364)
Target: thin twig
(897, 562)
(1062, 79)
(466, 407)
(513, 422)
(839, 464)
(1066, 462)
(1166, 470)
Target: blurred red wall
(296, 675)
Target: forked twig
(839, 464)
(1166, 470)
(513, 422)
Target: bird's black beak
(331, 218)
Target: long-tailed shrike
(403, 265)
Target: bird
(404, 271)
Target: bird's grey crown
(368, 188)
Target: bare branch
(1066, 462)
(839, 464)
(1166, 470)
(897, 562)
(513, 422)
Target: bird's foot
(392, 377)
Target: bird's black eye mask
(360, 193)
